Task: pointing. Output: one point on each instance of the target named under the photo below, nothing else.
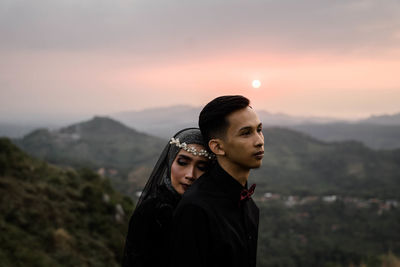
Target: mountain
(17, 126)
(14, 130)
(382, 132)
(164, 122)
(321, 203)
(101, 143)
(393, 119)
(281, 119)
(57, 217)
(295, 163)
(62, 217)
(377, 132)
(326, 204)
(375, 136)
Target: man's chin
(256, 165)
(251, 164)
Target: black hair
(212, 119)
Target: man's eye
(246, 133)
(259, 130)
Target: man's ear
(217, 147)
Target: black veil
(161, 174)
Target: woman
(182, 161)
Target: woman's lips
(185, 186)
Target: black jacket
(212, 226)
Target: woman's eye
(202, 167)
(182, 162)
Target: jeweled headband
(191, 149)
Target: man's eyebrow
(249, 127)
(245, 128)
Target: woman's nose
(190, 174)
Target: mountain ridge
(164, 122)
(100, 143)
(289, 154)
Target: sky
(85, 57)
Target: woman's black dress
(147, 241)
(149, 230)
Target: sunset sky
(85, 57)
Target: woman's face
(186, 168)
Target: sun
(256, 84)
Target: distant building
(329, 199)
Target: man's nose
(260, 139)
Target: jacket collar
(226, 183)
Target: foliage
(98, 143)
(313, 234)
(294, 163)
(55, 217)
(298, 164)
(321, 234)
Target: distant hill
(393, 119)
(16, 130)
(18, 127)
(373, 135)
(101, 143)
(379, 132)
(161, 122)
(165, 121)
(62, 217)
(296, 163)
(334, 204)
(57, 217)
(281, 119)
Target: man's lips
(259, 154)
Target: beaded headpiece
(160, 177)
(191, 149)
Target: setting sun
(256, 84)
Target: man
(216, 222)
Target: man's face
(244, 141)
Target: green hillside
(101, 143)
(329, 204)
(295, 163)
(322, 234)
(376, 136)
(56, 217)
